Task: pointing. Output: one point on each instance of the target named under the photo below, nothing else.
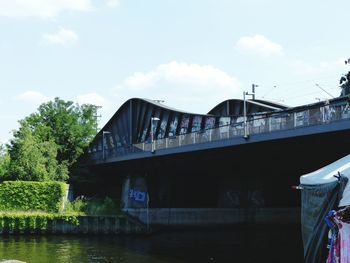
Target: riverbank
(46, 223)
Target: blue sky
(192, 54)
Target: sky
(191, 54)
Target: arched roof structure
(133, 121)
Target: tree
(71, 126)
(49, 141)
(35, 160)
(345, 84)
(4, 163)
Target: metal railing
(294, 118)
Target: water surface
(234, 244)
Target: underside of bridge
(258, 176)
(231, 179)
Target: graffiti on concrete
(137, 195)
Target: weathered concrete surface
(214, 216)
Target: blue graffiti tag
(137, 195)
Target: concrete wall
(87, 225)
(134, 193)
(214, 216)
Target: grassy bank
(39, 220)
(42, 207)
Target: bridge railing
(317, 114)
(259, 123)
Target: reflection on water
(238, 244)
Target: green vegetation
(38, 160)
(86, 206)
(35, 206)
(30, 206)
(48, 142)
(32, 221)
(345, 84)
(48, 197)
(32, 196)
(4, 162)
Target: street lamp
(103, 143)
(152, 133)
(253, 90)
(246, 93)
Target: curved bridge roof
(134, 120)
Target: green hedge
(32, 196)
(32, 221)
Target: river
(235, 244)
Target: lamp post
(253, 90)
(152, 133)
(103, 143)
(246, 93)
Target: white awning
(326, 175)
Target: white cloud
(107, 107)
(32, 97)
(307, 68)
(181, 85)
(61, 37)
(259, 45)
(91, 98)
(139, 80)
(113, 3)
(41, 8)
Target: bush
(32, 196)
(78, 205)
(25, 221)
(95, 206)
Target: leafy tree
(4, 163)
(49, 141)
(345, 84)
(33, 159)
(70, 126)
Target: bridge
(235, 164)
